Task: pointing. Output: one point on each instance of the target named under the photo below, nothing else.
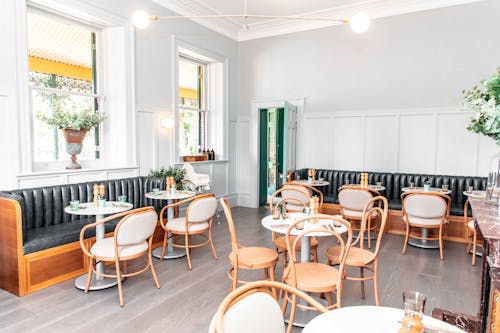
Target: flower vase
(74, 139)
(493, 185)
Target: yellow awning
(58, 68)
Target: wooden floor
(188, 299)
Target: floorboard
(188, 299)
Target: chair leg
(212, 243)
(474, 245)
(234, 283)
(329, 299)
(441, 243)
(315, 255)
(119, 280)
(89, 276)
(186, 241)
(153, 272)
(164, 248)
(125, 267)
(362, 275)
(407, 235)
(266, 273)
(375, 282)
(292, 314)
(369, 232)
(284, 253)
(271, 277)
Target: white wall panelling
(72, 177)
(433, 141)
(147, 140)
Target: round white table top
(374, 187)
(88, 208)
(421, 189)
(281, 225)
(373, 319)
(315, 183)
(475, 194)
(163, 195)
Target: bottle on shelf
(212, 154)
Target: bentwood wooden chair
(352, 201)
(247, 257)
(316, 277)
(294, 198)
(472, 233)
(425, 210)
(132, 239)
(360, 257)
(251, 308)
(198, 221)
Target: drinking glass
(122, 199)
(74, 204)
(427, 186)
(101, 203)
(347, 182)
(470, 189)
(379, 184)
(321, 180)
(156, 191)
(445, 187)
(414, 303)
(412, 184)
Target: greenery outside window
(192, 106)
(62, 76)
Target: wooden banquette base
(23, 274)
(455, 231)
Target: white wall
(386, 100)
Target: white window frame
(117, 38)
(216, 80)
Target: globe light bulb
(140, 19)
(167, 123)
(360, 22)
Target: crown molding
(233, 28)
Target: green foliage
(171, 171)
(485, 105)
(72, 120)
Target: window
(62, 77)
(192, 106)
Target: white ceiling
(241, 29)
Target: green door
(271, 138)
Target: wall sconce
(167, 122)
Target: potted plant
(75, 126)
(485, 120)
(163, 172)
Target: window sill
(72, 172)
(204, 162)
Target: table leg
(424, 243)
(303, 316)
(170, 252)
(98, 282)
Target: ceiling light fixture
(359, 23)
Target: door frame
(256, 106)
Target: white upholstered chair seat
(425, 221)
(355, 213)
(106, 248)
(179, 224)
(258, 312)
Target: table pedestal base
(424, 244)
(95, 284)
(302, 316)
(170, 253)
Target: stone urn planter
(74, 140)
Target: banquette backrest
(44, 206)
(394, 182)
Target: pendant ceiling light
(359, 22)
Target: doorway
(271, 142)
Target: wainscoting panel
(431, 140)
(146, 141)
(318, 139)
(417, 143)
(456, 147)
(381, 142)
(348, 143)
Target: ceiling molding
(233, 28)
